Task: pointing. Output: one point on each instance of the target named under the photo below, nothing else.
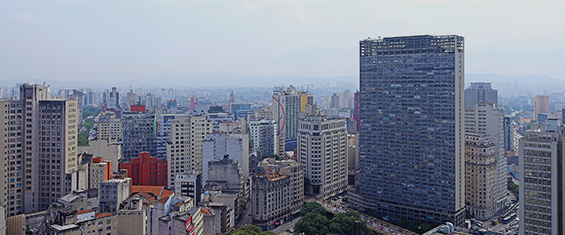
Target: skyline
(102, 41)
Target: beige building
(487, 118)
(109, 127)
(131, 222)
(277, 192)
(480, 176)
(322, 148)
(112, 193)
(39, 148)
(184, 149)
(541, 105)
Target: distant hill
(521, 79)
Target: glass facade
(411, 153)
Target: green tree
(275, 156)
(312, 223)
(313, 207)
(349, 223)
(83, 138)
(91, 111)
(251, 230)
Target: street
(282, 230)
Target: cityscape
(411, 142)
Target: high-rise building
(189, 184)
(541, 180)
(480, 92)
(357, 110)
(486, 118)
(264, 136)
(507, 134)
(285, 109)
(305, 99)
(481, 176)
(334, 101)
(109, 127)
(322, 148)
(184, 149)
(541, 105)
(40, 149)
(412, 127)
(138, 134)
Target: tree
(83, 138)
(275, 156)
(312, 223)
(251, 230)
(313, 207)
(349, 223)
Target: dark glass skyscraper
(412, 127)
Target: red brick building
(146, 170)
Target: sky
(120, 40)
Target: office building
(507, 134)
(189, 184)
(322, 148)
(112, 193)
(278, 192)
(357, 110)
(40, 148)
(412, 127)
(184, 150)
(264, 136)
(146, 170)
(480, 92)
(334, 101)
(487, 118)
(541, 180)
(541, 105)
(481, 175)
(109, 127)
(100, 148)
(305, 99)
(138, 134)
(100, 170)
(285, 109)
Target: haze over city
(111, 41)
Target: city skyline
(102, 41)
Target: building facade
(480, 92)
(184, 150)
(109, 128)
(322, 148)
(146, 170)
(541, 181)
(189, 184)
(412, 127)
(541, 105)
(264, 136)
(285, 110)
(138, 134)
(487, 118)
(481, 176)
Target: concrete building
(541, 105)
(112, 193)
(39, 139)
(146, 170)
(217, 118)
(226, 174)
(507, 134)
(138, 134)
(109, 127)
(131, 222)
(217, 145)
(480, 92)
(101, 148)
(182, 222)
(2, 221)
(184, 150)
(322, 148)
(481, 175)
(271, 187)
(486, 118)
(100, 170)
(285, 110)
(189, 184)
(264, 136)
(412, 144)
(334, 101)
(305, 99)
(541, 180)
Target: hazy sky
(125, 40)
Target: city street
(282, 230)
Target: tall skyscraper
(285, 109)
(541, 105)
(334, 101)
(541, 180)
(40, 149)
(322, 148)
(481, 176)
(264, 136)
(412, 119)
